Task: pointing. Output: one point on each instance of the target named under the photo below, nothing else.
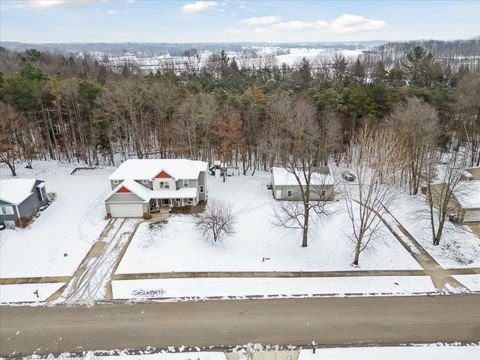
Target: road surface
(327, 321)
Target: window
(289, 192)
(6, 210)
(185, 183)
(116, 182)
(144, 181)
(166, 186)
(322, 193)
(201, 188)
(190, 200)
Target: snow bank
(27, 292)
(215, 287)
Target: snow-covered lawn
(429, 352)
(16, 293)
(472, 282)
(222, 287)
(69, 225)
(458, 248)
(257, 244)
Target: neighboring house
(285, 185)
(465, 202)
(20, 199)
(143, 186)
(472, 173)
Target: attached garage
(127, 200)
(126, 210)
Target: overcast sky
(40, 21)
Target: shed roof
(15, 191)
(467, 194)
(323, 176)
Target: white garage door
(126, 210)
(472, 216)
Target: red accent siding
(163, 175)
(123, 189)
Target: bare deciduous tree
(217, 221)
(368, 199)
(444, 173)
(301, 142)
(418, 127)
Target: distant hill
(176, 49)
(439, 48)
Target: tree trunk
(305, 225)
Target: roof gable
(163, 175)
(123, 189)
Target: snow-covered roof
(147, 194)
(15, 191)
(283, 177)
(467, 194)
(147, 169)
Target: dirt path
(327, 321)
(91, 280)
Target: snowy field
(27, 292)
(472, 282)
(223, 287)
(458, 248)
(257, 244)
(69, 225)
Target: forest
(67, 108)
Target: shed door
(472, 216)
(126, 210)
(278, 194)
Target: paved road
(328, 321)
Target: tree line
(66, 108)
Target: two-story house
(142, 186)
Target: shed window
(6, 210)
(289, 192)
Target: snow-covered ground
(458, 248)
(472, 282)
(257, 244)
(222, 287)
(430, 352)
(27, 292)
(68, 226)
(417, 352)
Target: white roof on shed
(15, 191)
(146, 169)
(468, 194)
(284, 177)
